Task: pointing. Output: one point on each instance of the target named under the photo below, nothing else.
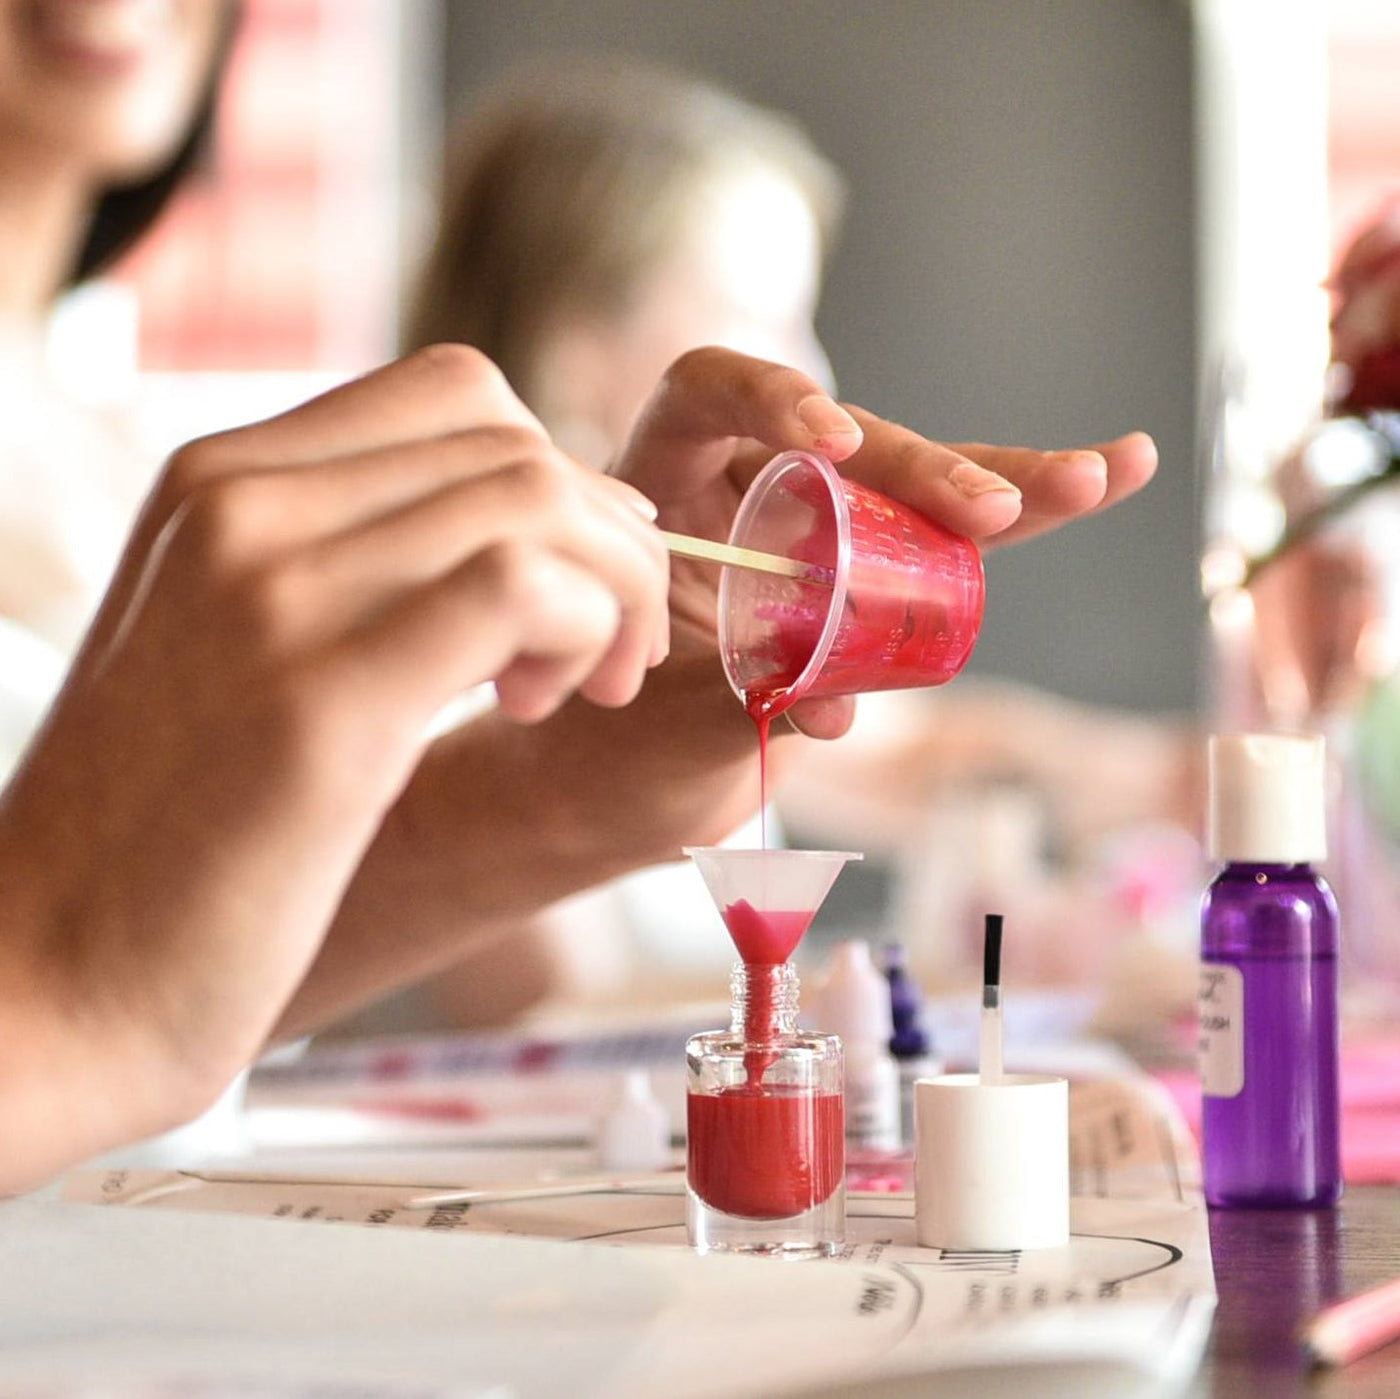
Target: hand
(300, 599)
(501, 821)
(719, 416)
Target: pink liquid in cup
(894, 600)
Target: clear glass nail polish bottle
(1268, 980)
(765, 1120)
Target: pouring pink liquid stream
(910, 598)
(892, 601)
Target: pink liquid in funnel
(763, 937)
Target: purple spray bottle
(1268, 980)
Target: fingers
(712, 398)
(1057, 487)
(435, 392)
(1132, 462)
(438, 391)
(1000, 495)
(714, 403)
(345, 492)
(948, 484)
(542, 504)
(311, 560)
(391, 519)
(828, 717)
(537, 622)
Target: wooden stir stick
(739, 557)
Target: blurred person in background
(237, 820)
(602, 215)
(105, 110)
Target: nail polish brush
(991, 1156)
(990, 1061)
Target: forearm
(61, 1101)
(502, 820)
(74, 1082)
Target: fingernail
(643, 505)
(824, 418)
(1080, 457)
(971, 480)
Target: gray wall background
(1017, 263)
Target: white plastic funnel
(768, 898)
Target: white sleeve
(31, 671)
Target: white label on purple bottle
(1220, 1048)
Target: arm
(238, 762)
(299, 600)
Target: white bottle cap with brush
(991, 1154)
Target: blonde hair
(571, 181)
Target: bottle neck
(1276, 869)
(763, 1001)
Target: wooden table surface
(1273, 1270)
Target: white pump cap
(1267, 798)
(855, 997)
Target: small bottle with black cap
(911, 1039)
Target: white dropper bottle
(855, 1004)
(634, 1133)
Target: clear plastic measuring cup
(893, 600)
